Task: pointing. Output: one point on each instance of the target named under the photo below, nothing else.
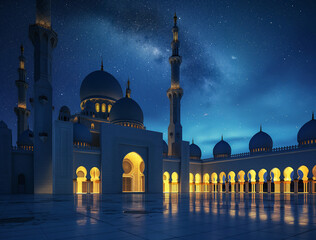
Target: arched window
(103, 107)
(92, 125)
(97, 107)
(109, 107)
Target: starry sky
(245, 63)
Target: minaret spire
(44, 40)
(174, 94)
(128, 90)
(21, 110)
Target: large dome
(195, 151)
(126, 110)
(100, 84)
(260, 142)
(222, 149)
(82, 134)
(307, 133)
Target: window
(92, 125)
(97, 107)
(103, 107)
(109, 107)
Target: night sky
(245, 63)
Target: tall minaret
(44, 40)
(21, 111)
(174, 94)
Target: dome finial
(222, 137)
(313, 116)
(101, 63)
(175, 18)
(260, 127)
(22, 49)
(128, 90)
(192, 140)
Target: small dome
(195, 151)
(260, 142)
(126, 110)
(64, 114)
(100, 84)
(164, 147)
(3, 124)
(82, 134)
(307, 133)
(26, 138)
(222, 149)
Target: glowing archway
(197, 182)
(222, 177)
(174, 182)
(288, 177)
(81, 183)
(206, 181)
(95, 179)
(288, 174)
(275, 174)
(262, 174)
(214, 177)
(314, 172)
(166, 183)
(302, 173)
(191, 179)
(241, 176)
(231, 177)
(251, 176)
(133, 176)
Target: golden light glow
(314, 172)
(109, 108)
(261, 175)
(174, 183)
(221, 176)
(166, 183)
(97, 107)
(251, 175)
(92, 125)
(276, 174)
(103, 107)
(191, 179)
(287, 173)
(133, 176)
(81, 173)
(214, 177)
(231, 177)
(21, 65)
(95, 179)
(241, 176)
(198, 182)
(305, 171)
(22, 105)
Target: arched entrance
(95, 179)
(133, 176)
(166, 182)
(174, 182)
(81, 183)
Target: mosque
(106, 147)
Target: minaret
(174, 94)
(21, 111)
(44, 40)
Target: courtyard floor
(161, 216)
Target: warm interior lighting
(261, 175)
(304, 173)
(231, 177)
(81, 180)
(133, 176)
(103, 107)
(109, 108)
(191, 180)
(251, 176)
(95, 179)
(166, 183)
(197, 182)
(21, 65)
(97, 107)
(174, 183)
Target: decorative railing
(85, 148)
(247, 154)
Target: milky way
(245, 63)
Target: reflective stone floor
(168, 216)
